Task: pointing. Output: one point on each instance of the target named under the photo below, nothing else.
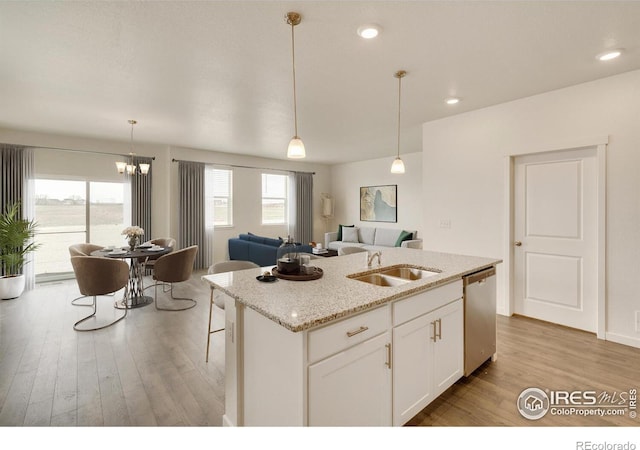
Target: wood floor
(537, 354)
(149, 369)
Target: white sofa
(370, 238)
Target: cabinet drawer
(412, 307)
(339, 336)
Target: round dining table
(134, 290)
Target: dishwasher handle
(479, 276)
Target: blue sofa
(261, 250)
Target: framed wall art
(379, 203)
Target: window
(218, 189)
(65, 217)
(274, 199)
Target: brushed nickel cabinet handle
(434, 337)
(358, 331)
(440, 329)
(517, 243)
(388, 363)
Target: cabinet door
(448, 349)
(353, 387)
(412, 362)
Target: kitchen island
(341, 351)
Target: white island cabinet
(338, 351)
(352, 387)
(341, 374)
(428, 349)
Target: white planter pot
(11, 287)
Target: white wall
(464, 179)
(346, 180)
(247, 187)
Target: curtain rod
(242, 167)
(87, 151)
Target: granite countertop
(300, 305)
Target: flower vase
(132, 242)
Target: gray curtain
(191, 211)
(12, 174)
(141, 198)
(303, 206)
(17, 185)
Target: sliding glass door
(65, 217)
(106, 213)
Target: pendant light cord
(132, 122)
(399, 96)
(295, 101)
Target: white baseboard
(226, 422)
(622, 339)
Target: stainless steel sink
(394, 275)
(408, 273)
(380, 280)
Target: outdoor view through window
(65, 218)
(274, 199)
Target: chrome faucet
(379, 255)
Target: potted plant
(16, 241)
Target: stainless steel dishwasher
(479, 318)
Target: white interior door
(556, 237)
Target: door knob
(518, 243)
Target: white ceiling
(217, 75)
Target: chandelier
(128, 166)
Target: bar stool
(217, 298)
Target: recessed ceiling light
(369, 31)
(452, 100)
(609, 54)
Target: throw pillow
(386, 237)
(340, 230)
(404, 236)
(272, 242)
(350, 234)
(367, 235)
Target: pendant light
(398, 165)
(129, 167)
(296, 147)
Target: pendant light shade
(398, 165)
(296, 147)
(121, 166)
